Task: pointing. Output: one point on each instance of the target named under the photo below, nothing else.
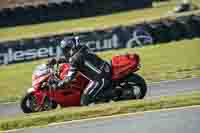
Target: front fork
(40, 97)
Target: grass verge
(88, 24)
(76, 113)
(175, 60)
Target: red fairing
(37, 80)
(70, 96)
(40, 97)
(64, 68)
(124, 64)
(71, 93)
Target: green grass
(175, 60)
(76, 113)
(123, 18)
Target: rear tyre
(85, 100)
(139, 86)
(132, 87)
(54, 105)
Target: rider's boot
(85, 100)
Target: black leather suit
(94, 68)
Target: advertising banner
(31, 49)
(120, 37)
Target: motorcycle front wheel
(29, 104)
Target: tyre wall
(140, 35)
(30, 14)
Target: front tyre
(27, 103)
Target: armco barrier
(139, 35)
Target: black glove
(57, 84)
(60, 84)
(62, 60)
(53, 83)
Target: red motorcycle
(43, 96)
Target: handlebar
(52, 81)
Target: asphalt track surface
(182, 120)
(164, 88)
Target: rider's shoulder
(83, 49)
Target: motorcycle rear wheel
(131, 87)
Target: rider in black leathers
(85, 61)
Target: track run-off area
(174, 120)
(155, 90)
